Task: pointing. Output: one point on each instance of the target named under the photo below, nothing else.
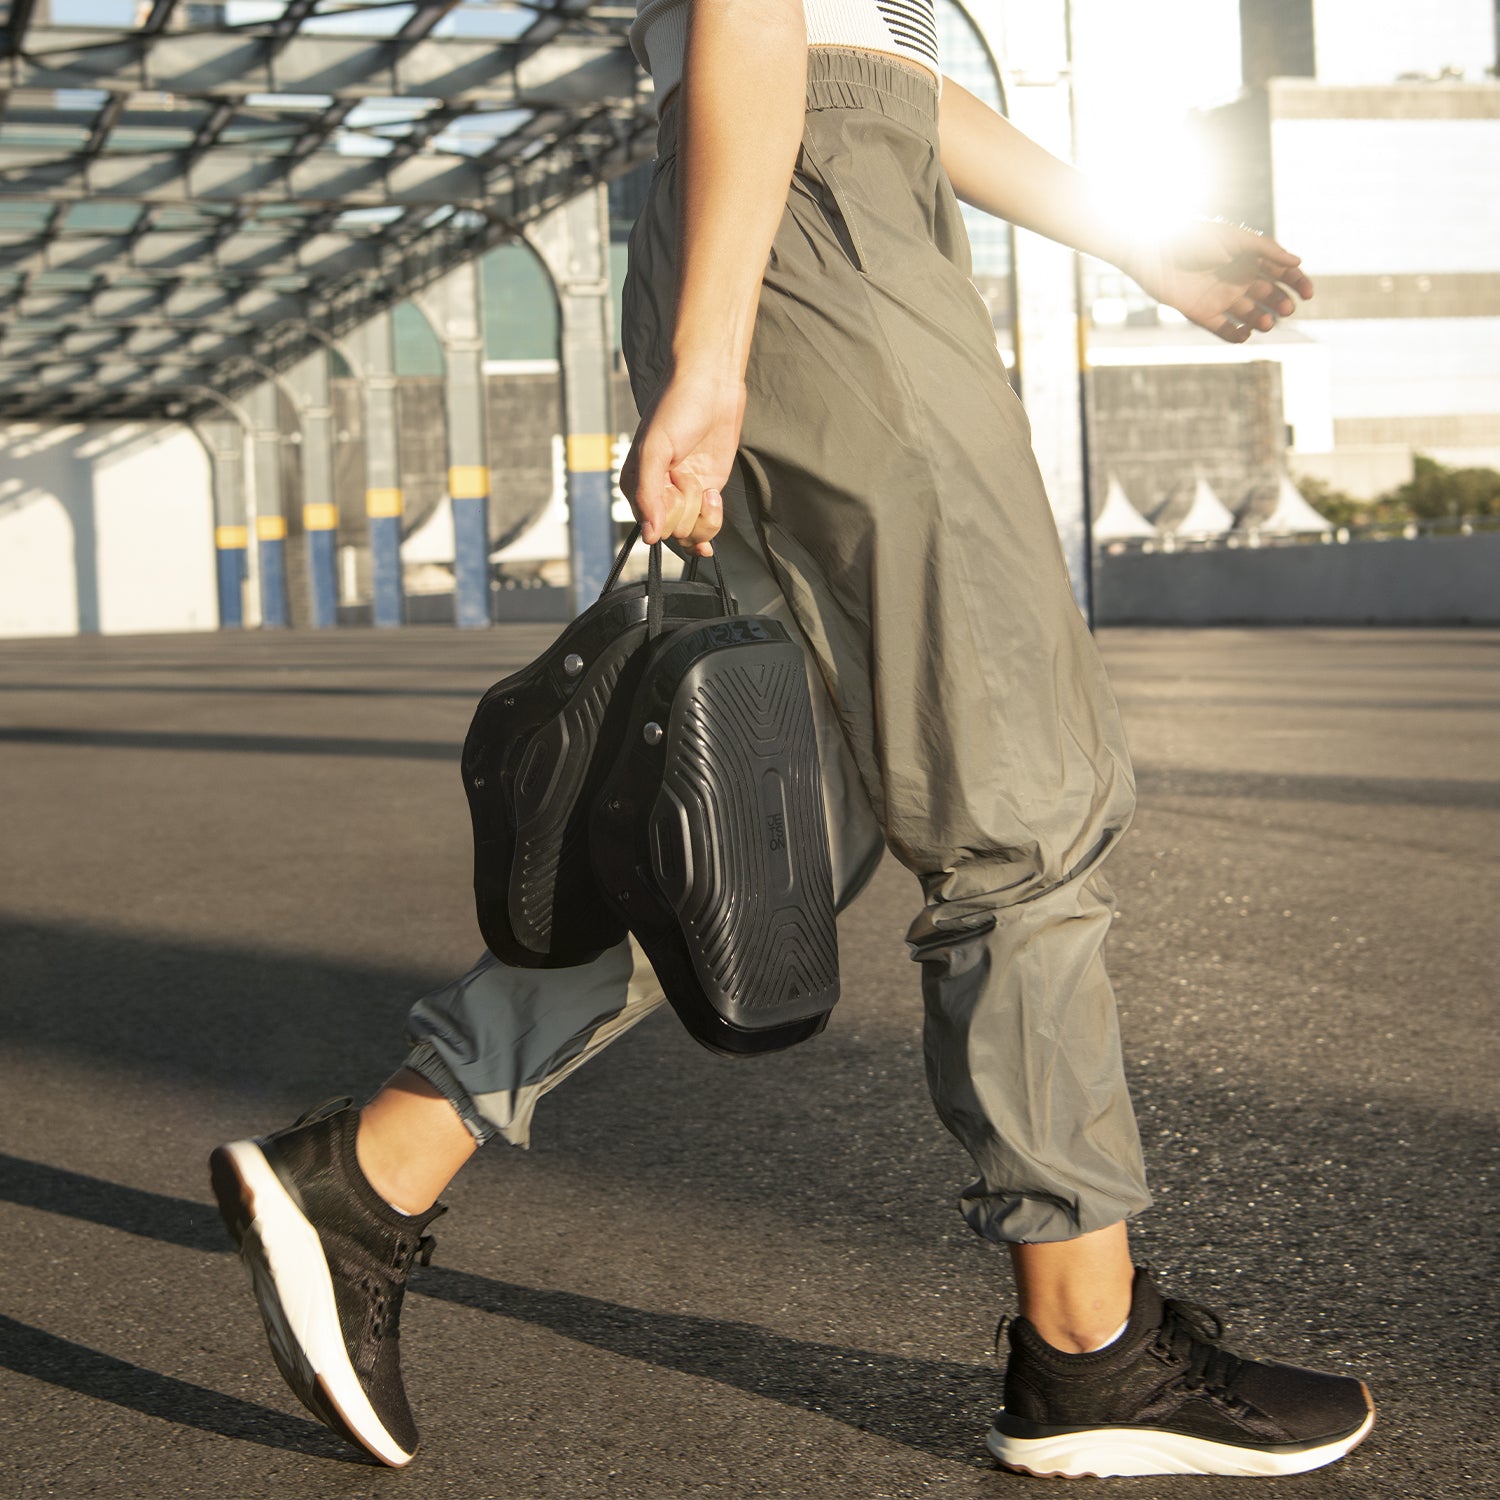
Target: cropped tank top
(904, 28)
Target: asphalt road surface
(230, 863)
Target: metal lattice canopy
(192, 191)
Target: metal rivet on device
(572, 664)
(653, 733)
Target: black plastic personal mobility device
(538, 745)
(709, 836)
(656, 770)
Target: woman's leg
(887, 475)
(487, 1047)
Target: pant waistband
(846, 78)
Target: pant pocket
(821, 183)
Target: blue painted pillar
(573, 242)
(452, 307)
(471, 546)
(590, 530)
(320, 517)
(270, 519)
(270, 553)
(229, 547)
(384, 502)
(383, 508)
(225, 442)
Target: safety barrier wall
(1443, 580)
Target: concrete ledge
(1425, 581)
(507, 606)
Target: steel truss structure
(193, 192)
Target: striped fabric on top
(904, 28)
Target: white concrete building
(1368, 139)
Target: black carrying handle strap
(620, 557)
(655, 598)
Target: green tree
(1335, 506)
(1435, 492)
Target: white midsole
(291, 1254)
(1145, 1450)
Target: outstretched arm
(743, 94)
(1227, 279)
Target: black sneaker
(328, 1261)
(1166, 1398)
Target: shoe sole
(1102, 1453)
(283, 1258)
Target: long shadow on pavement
(76, 1367)
(933, 1406)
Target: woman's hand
(682, 455)
(1223, 277)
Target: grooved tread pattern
(552, 837)
(762, 953)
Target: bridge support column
(320, 518)
(452, 306)
(270, 518)
(384, 503)
(573, 242)
(225, 441)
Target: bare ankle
(1076, 1293)
(411, 1142)
(1080, 1335)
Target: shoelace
(322, 1111)
(385, 1306)
(1190, 1333)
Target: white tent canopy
(1118, 518)
(1206, 516)
(1291, 513)
(433, 541)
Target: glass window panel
(356, 143)
(133, 138)
(354, 218)
(24, 216)
(370, 113)
(62, 138)
(520, 309)
(252, 12)
(418, 351)
(94, 13)
(368, 20)
(105, 218)
(284, 102)
(502, 22)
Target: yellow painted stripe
(1083, 343)
(468, 481)
(227, 538)
(590, 452)
(270, 528)
(386, 502)
(320, 516)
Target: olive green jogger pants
(886, 504)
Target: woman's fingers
(652, 457)
(1284, 266)
(710, 522)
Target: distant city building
(1368, 139)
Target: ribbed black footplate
(739, 841)
(710, 839)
